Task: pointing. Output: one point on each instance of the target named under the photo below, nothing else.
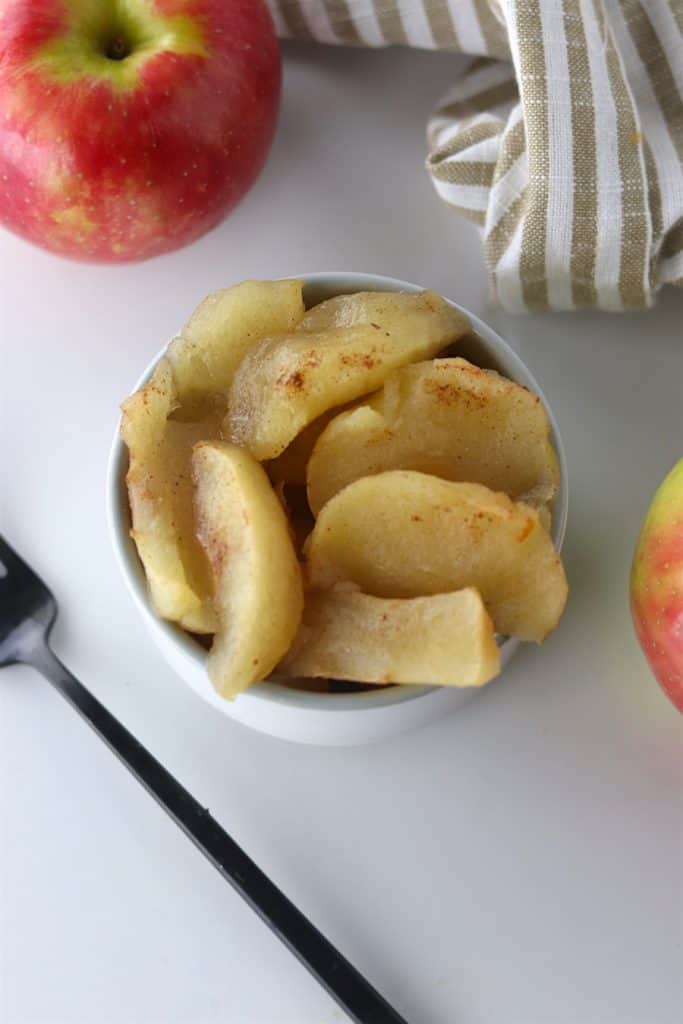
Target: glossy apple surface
(657, 586)
(130, 127)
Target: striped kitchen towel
(563, 140)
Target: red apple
(131, 127)
(657, 586)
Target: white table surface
(517, 862)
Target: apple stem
(118, 48)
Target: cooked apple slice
(445, 417)
(258, 587)
(358, 309)
(160, 494)
(223, 327)
(444, 640)
(341, 350)
(407, 534)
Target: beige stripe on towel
(566, 149)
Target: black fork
(27, 613)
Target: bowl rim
(270, 691)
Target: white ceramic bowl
(302, 716)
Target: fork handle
(343, 982)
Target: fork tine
(13, 562)
(27, 609)
(8, 555)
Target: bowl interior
(482, 347)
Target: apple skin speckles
(110, 169)
(657, 586)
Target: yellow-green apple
(130, 127)
(657, 586)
